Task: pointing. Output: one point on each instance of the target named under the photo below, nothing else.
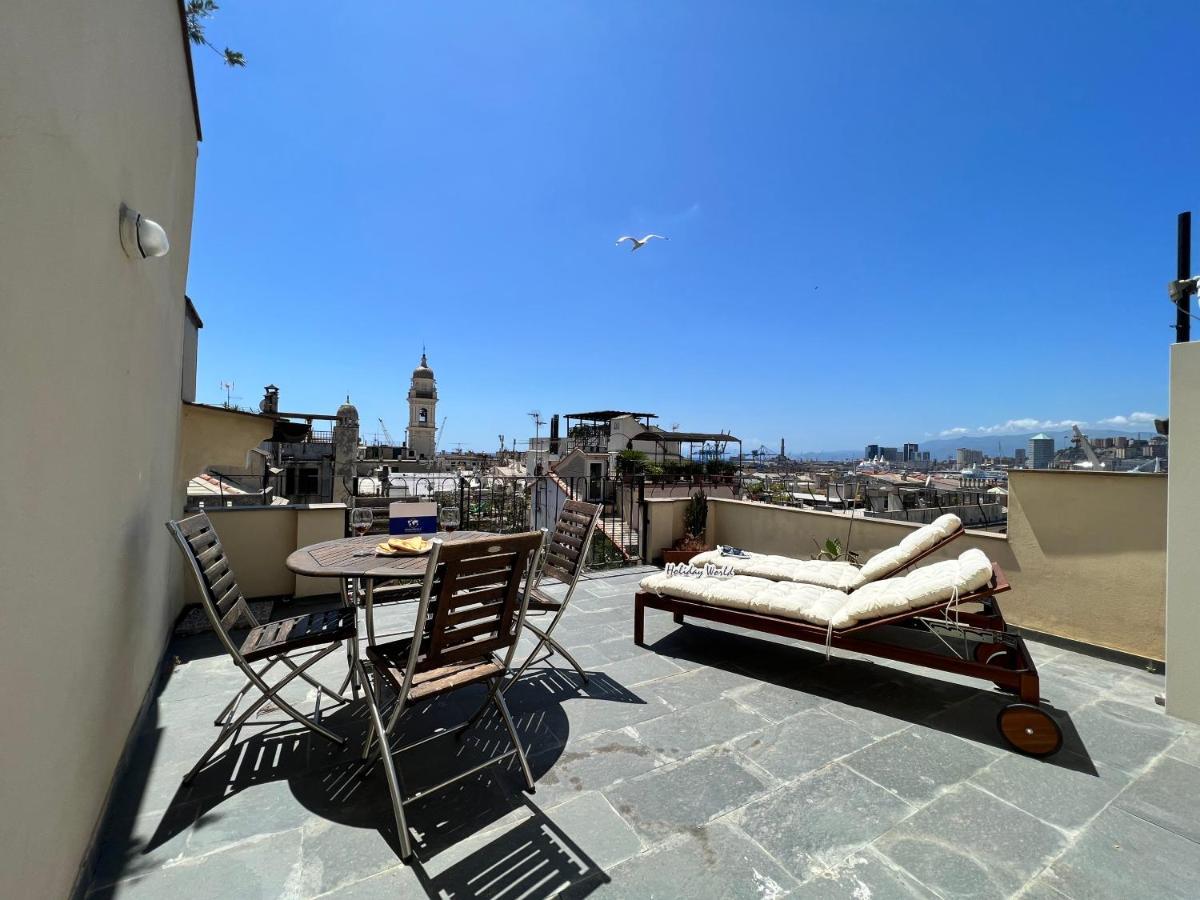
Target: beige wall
(665, 518)
(95, 110)
(1183, 547)
(213, 436)
(1085, 552)
(1090, 551)
(258, 540)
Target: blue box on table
(409, 519)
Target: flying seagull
(639, 243)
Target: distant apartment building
(1019, 457)
(1041, 451)
(910, 452)
(890, 454)
(871, 451)
(964, 456)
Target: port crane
(1092, 460)
(437, 439)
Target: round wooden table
(336, 559)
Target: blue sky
(887, 220)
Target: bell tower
(422, 411)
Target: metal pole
(645, 518)
(1183, 269)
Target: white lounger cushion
(807, 602)
(834, 573)
(920, 587)
(822, 606)
(917, 542)
(823, 572)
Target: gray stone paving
(716, 763)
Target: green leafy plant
(832, 550)
(631, 462)
(681, 467)
(195, 13)
(695, 521)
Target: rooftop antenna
(536, 415)
(227, 387)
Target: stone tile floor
(716, 764)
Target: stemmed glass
(448, 516)
(361, 518)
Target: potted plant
(833, 551)
(695, 522)
(631, 463)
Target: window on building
(423, 415)
(310, 481)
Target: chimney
(270, 401)
(554, 433)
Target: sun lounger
(954, 600)
(843, 576)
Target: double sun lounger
(874, 610)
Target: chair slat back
(478, 594)
(566, 552)
(220, 595)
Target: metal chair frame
(441, 582)
(557, 555)
(202, 548)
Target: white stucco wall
(95, 110)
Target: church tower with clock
(422, 409)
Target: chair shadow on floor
(874, 687)
(534, 859)
(332, 783)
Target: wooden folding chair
(566, 556)
(471, 609)
(273, 641)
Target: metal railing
(237, 490)
(508, 504)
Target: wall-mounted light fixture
(141, 237)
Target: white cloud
(1134, 418)
(1029, 423)
(1012, 426)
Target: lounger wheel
(1030, 729)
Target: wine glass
(360, 520)
(448, 516)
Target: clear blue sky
(887, 220)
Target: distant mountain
(824, 455)
(990, 444)
(944, 448)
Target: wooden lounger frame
(1000, 656)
